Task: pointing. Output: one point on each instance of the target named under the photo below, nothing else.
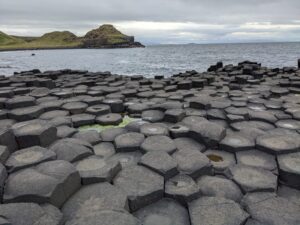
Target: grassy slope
(108, 32)
(64, 39)
(55, 39)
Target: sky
(159, 21)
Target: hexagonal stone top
(129, 141)
(159, 143)
(71, 149)
(30, 213)
(252, 179)
(92, 199)
(107, 217)
(234, 142)
(28, 157)
(192, 163)
(49, 182)
(141, 185)
(216, 211)
(219, 187)
(289, 169)
(278, 143)
(267, 208)
(163, 212)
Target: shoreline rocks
(219, 147)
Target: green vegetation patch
(99, 128)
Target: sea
(153, 60)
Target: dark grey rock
(98, 110)
(252, 179)
(71, 149)
(289, 193)
(216, 211)
(234, 142)
(83, 119)
(289, 169)
(161, 163)
(34, 132)
(57, 181)
(141, 185)
(220, 160)
(104, 150)
(163, 212)
(153, 115)
(28, 157)
(267, 208)
(219, 187)
(54, 114)
(182, 188)
(94, 198)
(20, 102)
(95, 169)
(158, 143)
(127, 142)
(7, 138)
(109, 119)
(188, 143)
(75, 107)
(192, 163)
(65, 131)
(4, 154)
(150, 129)
(30, 213)
(90, 136)
(174, 115)
(116, 105)
(110, 134)
(127, 159)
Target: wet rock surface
(219, 147)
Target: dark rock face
(219, 148)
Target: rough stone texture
(216, 211)
(29, 213)
(89, 136)
(289, 169)
(163, 212)
(219, 187)
(141, 185)
(93, 198)
(158, 143)
(161, 163)
(57, 181)
(192, 163)
(129, 142)
(71, 149)
(220, 160)
(252, 179)
(182, 188)
(28, 157)
(267, 208)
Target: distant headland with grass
(106, 36)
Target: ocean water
(152, 60)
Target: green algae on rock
(99, 128)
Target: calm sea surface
(152, 60)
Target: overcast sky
(159, 21)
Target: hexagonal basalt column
(234, 142)
(27, 113)
(252, 179)
(71, 149)
(35, 132)
(129, 142)
(163, 212)
(216, 211)
(220, 160)
(7, 138)
(75, 107)
(29, 213)
(161, 163)
(95, 169)
(158, 143)
(142, 186)
(28, 157)
(182, 188)
(289, 169)
(50, 182)
(94, 198)
(192, 163)
(109, 119)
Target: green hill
(106, 36)
(9, 40)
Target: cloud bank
(159, 21)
